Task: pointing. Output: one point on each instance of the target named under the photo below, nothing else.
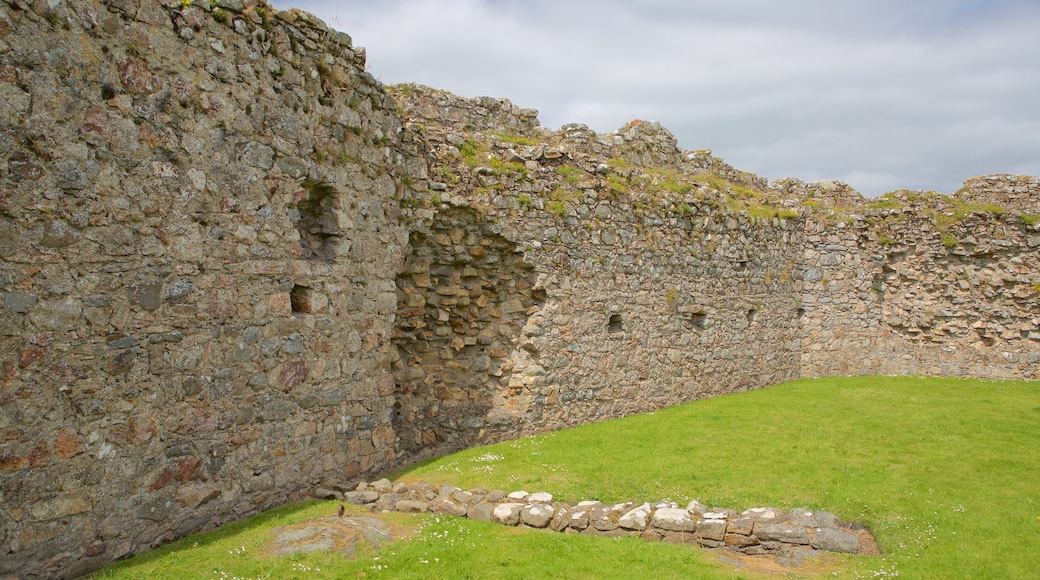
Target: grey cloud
(884, 95)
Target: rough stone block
(740, 541)
(711, 529)
(145, 295)
(744, 526)
(786, 533)
(481, 512)
(603, 518)
(537, 515)
(15, 302)
(507, 513)
(636, 519)
(445, 506)
(361, 497)
(579, 518)
(833, 540)
(673, 520)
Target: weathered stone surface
(258, 155)
(833, 540)
(713, 529)
(786, 533)
(15, 302)
(802, 517)
(361, 497)
(579, 518)
(636, 519)
(328, 534)
(410, 505)
(673, 520)
(743, 525)
(157, 509)
(447, 507)
(507, 513)
(740, 541)
(481, 512)
(146, 295)
(826, 519)
(561, 518)
(323, 493)
(604, 518)
(537, 515)
(540, 497)
(696, 508)
(58, 234)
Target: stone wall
(198, 244)
(663, 276)
(793, 535)
(622, 295)
(922, 289)
(233, 267)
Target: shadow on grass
(259, 522)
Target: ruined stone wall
(232, 268)
(1019, 193)
(198, 243)
(557, 283)
(652, 276)
(891, 293)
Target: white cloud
(883, 94)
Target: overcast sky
(885, 94)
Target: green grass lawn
(945, 472)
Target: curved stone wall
(233, 267)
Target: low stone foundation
(755, 531)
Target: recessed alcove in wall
(751, 316)
(300, 298)
(615, 323)
(699, 320)
(319, 232)
(465, 302)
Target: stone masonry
(234, 266)
(755, 532)
(199, 238)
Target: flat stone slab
(674, 520)
(342, 535)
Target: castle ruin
(234, 266)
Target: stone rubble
(756, 531)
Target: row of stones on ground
(754, 531)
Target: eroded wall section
(624, 292)
(198, 244)
(895, 292)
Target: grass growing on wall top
(944, 471)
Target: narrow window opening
(699, 320)
(800, 313)
(751, 316)
(615, 323)
(301, 299)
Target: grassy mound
(944, 471)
